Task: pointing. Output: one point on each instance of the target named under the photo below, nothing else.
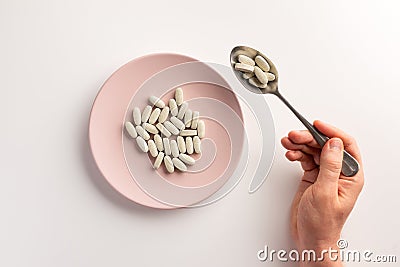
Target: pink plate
(108, 113)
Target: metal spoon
(350, 165)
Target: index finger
(350, 144)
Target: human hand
(325, 197)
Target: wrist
(324, 253)
(323, 242)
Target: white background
(338, 61)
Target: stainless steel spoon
(350, 165)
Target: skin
(324, 198)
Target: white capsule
(174, 148)
(159, 142)
(158, 160)
(201, 129)
(154, 115)
(130, 129)
(262, 63)
(179, 96)
(163, 115)
(142, 132)
(146, 113)
(137, 116)
(170, 127)
(182, 110)
(188, 132)
(270, 76)
(187, 119)
(152, 148)
(247, 75)
(150, 128)
(261, 76)
(244, 67)
(197, 144)
(186, 159)
(255, 82)
(173, 107)
(195, 120)
(189, 145)
(142, 144)
(179, 164)
(246, 60)
(178, 123)
(156, 101)
(181, 144)
(168, 164)
(163, 130)
(167, 146)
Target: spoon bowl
(272, 86)
(350, 166)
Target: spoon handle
(350, 165)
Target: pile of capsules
(256, 70)
(156, 124)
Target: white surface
(57, 210)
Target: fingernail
(335, 144)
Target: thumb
(330, 164)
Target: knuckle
(333, 165)
(351, 140)
(360, 184)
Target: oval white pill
(163, 130)
(255, 82)
(159, 142)
(156, 101)
(178, 123)
(182, 110)
(197, 144)
(168, 164)
(130, 129)
(158, 160)
(247, 75)
(187, 118)
(246, 60)
(181, 144)
(167, 146)
(154, 115)
(189, 145)
(146, 113)
(142, 144)
(186, 159)
(261, 76)
(188, 132)
(201, 129)
(244, 67)
(142, 132)
(152, 148)
(170, 127)
(179, 164)
(173, 107)
(150, 128)
(195, 120)
(137, 116)
(174, 148)
(179, 96)
(163, 115)
(262, 63)
(270, 76)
